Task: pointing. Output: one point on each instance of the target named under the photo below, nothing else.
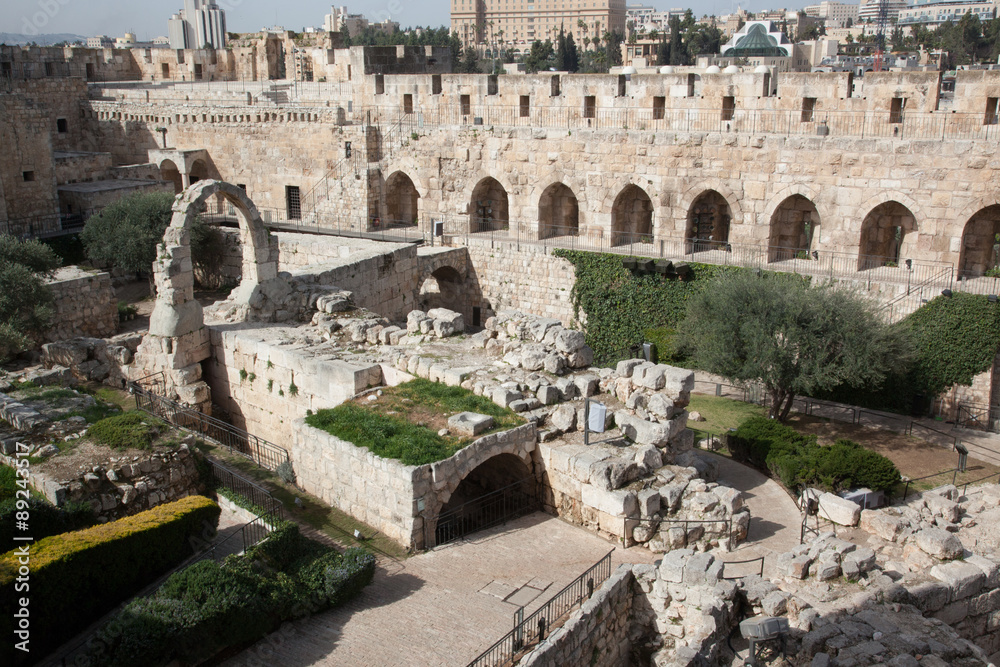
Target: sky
(148, 19)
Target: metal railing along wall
(493, 509)
(529, 631)
(265, 454)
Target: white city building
(936, 13)
(200, 25)
(834, 14)
(868, 10)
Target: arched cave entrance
(708, 222)
(445, 288)
(981, 243)
(558, 212)
(632, 217)
(500, 489)
(489, 209)
(401, 199)
(887, 234)
(794, 229)
(169, 172)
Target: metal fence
(727, 564)
(265, 454)
(531, 630)
(488, 511)
(979, 417)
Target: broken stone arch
(178, 340)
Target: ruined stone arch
(489, 205)
(558, 211)
(169, 172)
(631, 216)
(199, 171)
(888, 234)
(402, 199)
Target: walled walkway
(444, 607)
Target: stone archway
(402, 200)
(558, 212)
(489, 209)
(888, 233)
(169, 172)
(981, 242)
(794, 230)
(178, 340)
(199, 171)
(444, 288)
(497, 490)
(632, 217)
(709, 219)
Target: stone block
(503, 396)
(568, 388)
(990, 569)
(548, 394)
(555, 364)
(450, 317)
(660, 405)
(626, 367)
(649, 458)
(618, 503)
(564, 418)
(569, 341)
(586, 385)
(964, 579)
(533, 357)
(883, 525)
(939, 543)
(470, 423)
(649, 503)
(838, 510)
(582, 358)
(942, 507)
(642, 431)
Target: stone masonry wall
(597, 634)
(85, 305)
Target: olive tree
(25, 301)
(789, 336)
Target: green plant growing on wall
(243, 375)
(270, 385)
(293, 389)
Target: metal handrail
(727, 563)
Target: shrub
(209, 606)
(46, 518)
(135, 430)
(78, 576)
(286, 472)
(8, 484)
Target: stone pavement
(775, 520)
(444, 607)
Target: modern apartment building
(834, 14)
(200, 25)
(936, 13)
(518, 23)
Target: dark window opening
(90, 71)
(49, 70)
(492, 85)
(436, 84)
(767, 85)
(850, 84)
(477, 316)
(555, 88)
(165, 70)
(590, 106)
(466, 103)
(991, 111)
(380, 84)
(242, 186)
(525, 106)
(348, 72)
(293, 201)
(896, 109)
(6, 70)
(347, 149)
(29, 176)
(407, 103)
(622, 83)
(690, 85)
(197, 72)
(659, 108)
(808, 107)
(728, 107)
(62, 127)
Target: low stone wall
(85, 305)
(597, 634)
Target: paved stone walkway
(445, 607)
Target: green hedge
(45, 518)
(76, 577)
(799, 461)
(210, 606)
(625, 309)
(132, 430)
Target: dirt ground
(914, 457)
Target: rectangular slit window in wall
(659, 108)
(590, 106)
(808, 107)
(850, 84)
(525, 106)
(407, 103)
(90, 71)
(293, 202)
(555, 89)
(466, 103)
(690, 85)
(6, 70)
(477, 316)
(728, 107)
(991, 111)
(896, 109)
(62, 126)
(767, 85)
(380, 84)
(197, 72)
(164, 69)
(49, 69)
(348, 72)
(436, 84)
(28, 176)
(492, 85)
(622, 85)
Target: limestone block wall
(81, 167)
(59, 98)
(85, 305)
(27, 172)
(252, 377)
(596, 634)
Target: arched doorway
(489, 209)
(401, 199)
(558, 212)
(443, 289)
(632, 217)
(199, 171)
(981, 243)
(497, 491)
(886, 235)
(708, 222)
(170, 173)
(794, 229)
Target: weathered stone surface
(548, 394)
(880, 523)
(939, 543)
(470, 423)
(564, 418)
(642, 431)
(964, 579)
(839, 510)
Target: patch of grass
(448, 400)
(8, 482)
(133, 430)
(55, 395)
(721, 414)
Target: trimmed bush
(132, 430)
(799, 461)
(210, 606)
(8, 483)
(76, 577)
(46, 518)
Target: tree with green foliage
(345, 35)
(470, 62)
(541, 57)
(126, 234)
(794, 339)
(676, 46)
(25, 301)
(572, 54)
(561, 51)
